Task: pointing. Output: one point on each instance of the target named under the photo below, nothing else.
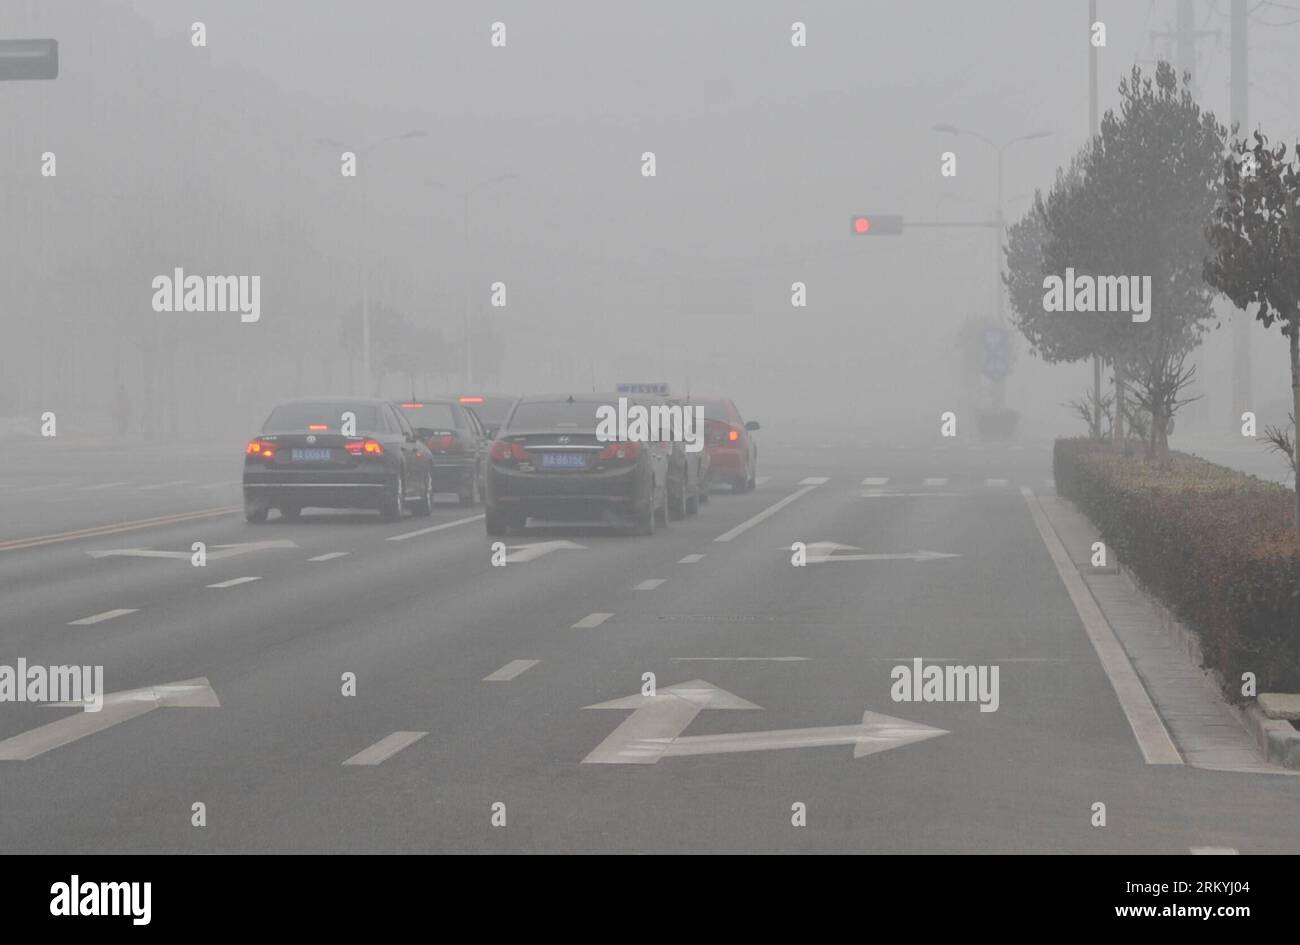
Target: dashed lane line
(649, 584)
(591, 620)
(100, 618)
(234, 582)
(690, 559)
(765, 514)
(330, 556)
(385, 748)
(511, 670)
(435, 528)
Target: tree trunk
(1117, 429)
(1096, 398)
(1295, 402)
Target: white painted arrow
(516, 553)
(118, 707)
(654, 729)
(820, 552)
(218, 552)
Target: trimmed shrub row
(1216, 546)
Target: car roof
(335, 399)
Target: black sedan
(337, 453)
(548, 463)
(458, 443)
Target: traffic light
(877, 224)
(28, 59)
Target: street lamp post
(998, 218)
(363, 254)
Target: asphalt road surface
(474, 683)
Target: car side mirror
(751, 425)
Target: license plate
(310, 456)
(564, 461)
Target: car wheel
(473, 496)
(255, 512)
(394, 503)
(661, 513)
(692, 504)
(752, 484)
(423, 506)
(677, 503)
(290, 512)
(496, 523)
(644, 523)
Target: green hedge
(1216, 546)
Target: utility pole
(1093, 128)
(1243, 385)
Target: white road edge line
(511, 670)
(436, 528)
(591, 620)
(1148, 728)
(765, 514)
(100, 618)
(330, 556)
(649, 584)
(236, 581)
(385, 748)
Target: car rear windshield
(490, 409)
(715, 410)
(295, 418)
(554, 415)
(430, 416)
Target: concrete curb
(1278, 739)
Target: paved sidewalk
(1208, 732)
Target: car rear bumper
(453, 475)
(610, 494)
(324, 490)
(726, 460)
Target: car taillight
(446, 443)
(507, 450)
(733, 435)
(260, 448)
(627, 452)
(365, 448)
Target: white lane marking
(235, 581)
(1148, 728)
(100, 618)
(938, 481)
(330, 556)
(814, 481)
(739, 659)
(591, 620)
(101, 485)
(118, 707)
(875, 481)
(996, 483)
(511, 670)
(48, 485)
(765, 514)
(1214, 851)
(518, 553)
(385, 748)
(649, 584)
(164, 485)
(219, 551)
(690, 559)
(436, 528)
(822, 551)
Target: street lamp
(363, 248)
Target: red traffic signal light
(877, 224)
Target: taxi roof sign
(22, 59)
(656, 388)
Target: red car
(733, 454)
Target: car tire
(423, 506)
(644, 523)
(752, 484)
(255, 512)
(496, 523)
(473, 497)
(692, 504)
(661, 513)
(677, 503)
(394, 501)
(290, 513)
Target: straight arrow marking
(517, 553)
(118, 707)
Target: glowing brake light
(471, 400)
(733, 435)
(317, 427)
(506, 450)
(412, 406)
(365, 448)
(622, 451)
(260, 448)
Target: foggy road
(474, 683)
